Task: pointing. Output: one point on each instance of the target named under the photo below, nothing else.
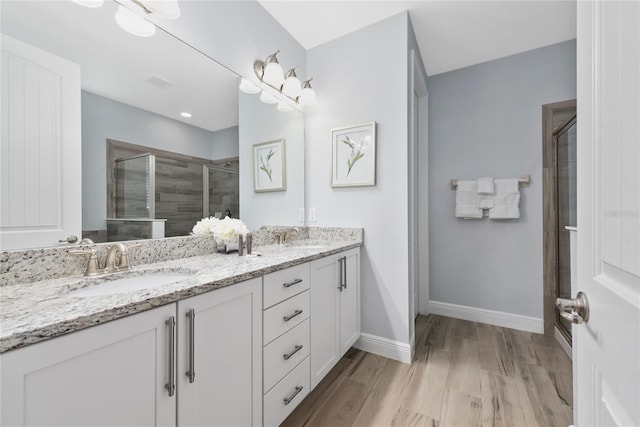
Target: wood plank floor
(463, 374)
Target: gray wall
(260, 122)
(355, 86)
(486, 120)
(103, 119)
(235, 33)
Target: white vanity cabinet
(286, 342)
(107, 375)
(219, 357)
(120, 373)
(335, 310)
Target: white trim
(491, 317)
(396, 350)
(563, 342)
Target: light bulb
(291, 86)
(247, 87)
(133, 23)
(273, 73)
(267, 97)
(308, 95)
(284, 107)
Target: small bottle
(249, 242)
(239, 244)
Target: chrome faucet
(117, 259)
(285, 235)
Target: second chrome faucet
(117, 259)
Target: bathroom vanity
(238, 341)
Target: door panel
(607, 348)
(40, 155)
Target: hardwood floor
(463, 374)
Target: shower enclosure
(566, 212)
(181, 192)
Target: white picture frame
(269, 169)
(353, 155)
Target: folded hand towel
(485, 193)
(506, 200)
(485, 186)
(467, 200)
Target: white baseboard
(396, 350)
(491, 317)
(563, 342)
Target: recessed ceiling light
(185, 114)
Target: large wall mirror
(138, 149)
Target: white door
(607, 347)
(219, 375)
(40, 170)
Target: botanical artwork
(353, 155)
(269, 166)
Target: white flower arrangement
(224, 230)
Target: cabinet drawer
(282, 399)
(283, 354)
(284, 316)
(283, 284)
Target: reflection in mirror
(133, 90)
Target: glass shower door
(566, 214)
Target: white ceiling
(451, 34)
(116, 64)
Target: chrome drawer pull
(191, 372)
(171, 385)
(291, 316)
(295, 282)
(294, 351)
(293, 395)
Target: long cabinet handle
(341, 270)
(293, 395)
(344, 267)
(291, 316)
(171, 385)
(191, 372)
(294, 282)
(294, 351)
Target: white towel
(485, 193)
(467, 200)
(506, 200)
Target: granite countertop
(34, 312)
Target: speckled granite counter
(33, 312)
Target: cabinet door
(325, 326)
(350, 301)
(108, 375)
(227, 363)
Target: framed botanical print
(269, 166)
(353, 155)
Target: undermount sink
(130, 284)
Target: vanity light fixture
(247, 87)
(133, 23)
(288, 91)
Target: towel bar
(525, 181)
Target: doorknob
(574, 310)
